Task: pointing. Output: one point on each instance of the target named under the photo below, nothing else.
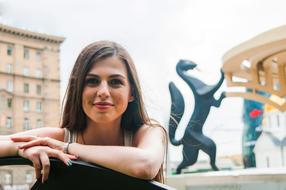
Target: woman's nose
(103, 91)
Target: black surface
(82, 175)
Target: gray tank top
(72, 137)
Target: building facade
(29, 82)
(270, 149)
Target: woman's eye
(115, 82)
(92, 82)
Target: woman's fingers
(70, 156)
(36, 142)
(61, 156)
(52, 143)
(65, 159)
(37, 166)
(39, 155)
(45, 166)
(23, 138)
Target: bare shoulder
(52, 132)
(156, 128)
(150, 132)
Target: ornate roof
(30, 34)
(259, 64)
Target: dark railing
(82, 175)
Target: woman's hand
(38, 150)
(39, 155)
(39, 141)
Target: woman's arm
(10, 148)
(52, 132)
(142, 161)
(39, 155)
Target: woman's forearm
(4, 138)
(8, 148)
(132, 161)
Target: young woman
(104, 120)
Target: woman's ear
(131, 99)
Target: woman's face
(107, 91)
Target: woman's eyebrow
(111, 76)
(117, 76)
(91, 75)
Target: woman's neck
(102, 134)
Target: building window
(26, 105)
(39, 89)
(10, 86)
(38, 73)
(29, 177)
(267, 162)
(26, 88)
(9, 102)
(8, 178)
(25, 71)
(38, 56)
(26, 124)
(39, 123)
(9, 68)
(26, 53)
(269, 121)
(9, 122)
(39, 106)
(9, 50)
(2, 104)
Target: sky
(158, 33)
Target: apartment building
(29, 85)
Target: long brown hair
(73, 116)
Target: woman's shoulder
(154, 128)
(153, 125)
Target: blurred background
(40, 41)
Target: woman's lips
(103, 105)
